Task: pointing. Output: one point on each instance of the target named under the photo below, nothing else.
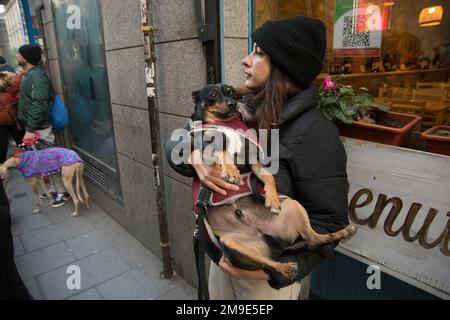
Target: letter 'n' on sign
(74, 17)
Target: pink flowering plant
(341, 103)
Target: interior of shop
(407, 68)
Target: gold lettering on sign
(415, 207)
(354, 205)
(396, 205)
(444, 244)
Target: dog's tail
(80, 183)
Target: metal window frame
(211, 34)
(112, 175)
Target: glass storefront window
(83, 67)
(367, 36)
(276, 9)
(400, 51)
(394, 48)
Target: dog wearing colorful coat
(36, 164)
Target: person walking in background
(9, 84)
(9, 100)
(35, 101)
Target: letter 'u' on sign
(74, 19)
(74, 280)
(374, 281)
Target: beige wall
(180, 70)
(235, 40)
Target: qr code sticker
(356, 35)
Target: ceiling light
(431, 16)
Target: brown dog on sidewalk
(252, 234)
(38, 163)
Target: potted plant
(437, 140)
(357, 115)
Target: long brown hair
(270, 101)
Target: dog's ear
(196, 96)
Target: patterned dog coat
(46, 162)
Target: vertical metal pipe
(150, 62)
(213, 41)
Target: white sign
(400, 203)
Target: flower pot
(435, 143)
(381, 134)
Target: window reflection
(408, 40)
(82, 64)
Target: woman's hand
(210, 175)
(241, 274)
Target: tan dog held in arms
(67, 173)
(250, 233)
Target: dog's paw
(231, 174)
(273, 203)
(74, 214)
(350, 232)
(282, 274)
(289, 270)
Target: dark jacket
(6, 67)
(35, 100)
(11, 285)
(312, 171)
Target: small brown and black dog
(253, 234)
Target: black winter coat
(312, 171)
(11, 285)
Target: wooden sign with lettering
(400, 202)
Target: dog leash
(200, 243)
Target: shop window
(368, 36)
(400, 51)
(82, 61)
(390, 47)
(83, 67)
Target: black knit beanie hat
(296, 46)
(32, 54)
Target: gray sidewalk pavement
(113, 264)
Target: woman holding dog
(287, 57)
